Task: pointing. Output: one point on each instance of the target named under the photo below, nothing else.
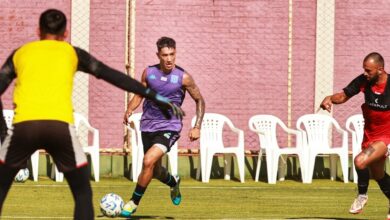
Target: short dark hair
(165, 42)
(377, 57)
(52, 21)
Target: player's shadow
(138, 217)
(329, 218)
(149, 217)
(292, 168)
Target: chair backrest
(135, 131)
(357, 123)
(83, 129)
(265, 126)
(317, 128)
(79, 119)
(8, 116)
(212, 129)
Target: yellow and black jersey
(44, 80)
(44, 72)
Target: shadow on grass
(328, 218)
(138, 217)
(292, 169)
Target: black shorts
(56, 137)
(164, 138)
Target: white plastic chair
(317, 130)
(211, 142)
(355, 125)
(265, 126)
(92, 149)
(9, 116)
(137, 149)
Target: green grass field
(219, 199)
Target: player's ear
(380, 69)
(66, 34)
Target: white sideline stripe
(187, 187)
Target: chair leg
(134, 163)
(59, 176)
(140, 161)
(96, 165)
(353, 169)
(259, 157)
(274, 167)
(302, 167)
(35, 164)
(209, 165)
(344, 166)
(354, 173)
(269, 160)
(173, 160)
(310, 169)
(204, 164)
(241, 166)
(228, 165)
(333, 166)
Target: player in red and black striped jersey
(375, 84)
(44, 72)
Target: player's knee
(360, 162)
(148, 163)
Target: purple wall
(237, 52)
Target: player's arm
(193, 90)
(89, 64)
(135, 101)
(353, 88)
(7, 73)
(337, 98)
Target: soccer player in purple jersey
(161, 130)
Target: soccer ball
(22, 175)
(111, 205)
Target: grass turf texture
(219, 199)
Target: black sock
(138, 193)
(78, 181)
(169, 180)
(384, 184)
(363, 180)
(164, 176)
(7, 175)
